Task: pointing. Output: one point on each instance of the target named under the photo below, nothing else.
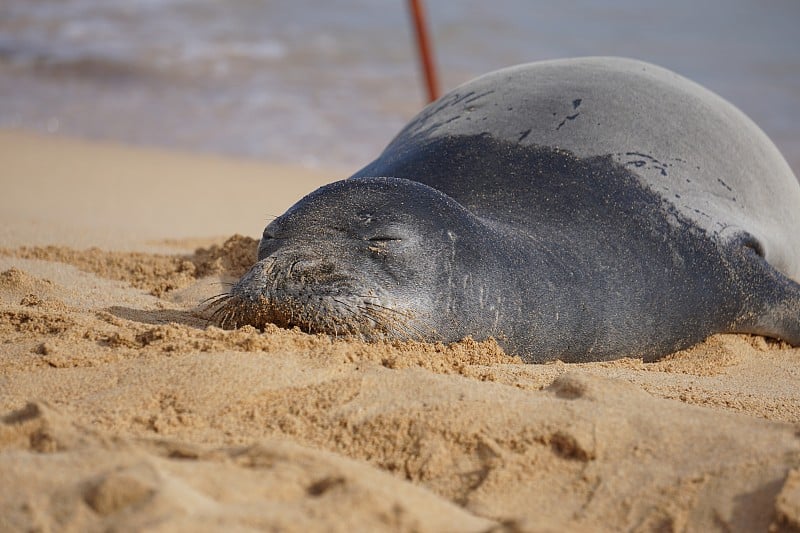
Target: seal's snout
(283, 274)
(252, 286)
(247, 302)
(290, 288)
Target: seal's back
(688, 145)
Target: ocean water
(329, 82)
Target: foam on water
(329, 83)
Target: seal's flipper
(771, 301)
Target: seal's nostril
(301, 267)
(326, 268)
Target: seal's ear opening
(755, 245)
(749, 242)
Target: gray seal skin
(582, 209)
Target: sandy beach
(122, 409)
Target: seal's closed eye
(388, 231)
(385, 238)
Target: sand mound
(154, 273)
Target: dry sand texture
(120, 409)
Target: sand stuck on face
(121, 408)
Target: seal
(582, 209)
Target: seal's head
(368, 257)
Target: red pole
(424, 49)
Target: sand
(122, 409)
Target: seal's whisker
(225, 306)
(232, 319)
(219, 313)
(223, 283)
(211, 300)
(395, 313)
(403, 320)
(342, 302)
(415, 333)
(218, 307)
(359, 311)
(224, 319)
(391, 309)
(391, 323)
(376, 319)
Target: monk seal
(581, 209)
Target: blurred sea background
(328, 83)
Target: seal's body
(580, 209)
